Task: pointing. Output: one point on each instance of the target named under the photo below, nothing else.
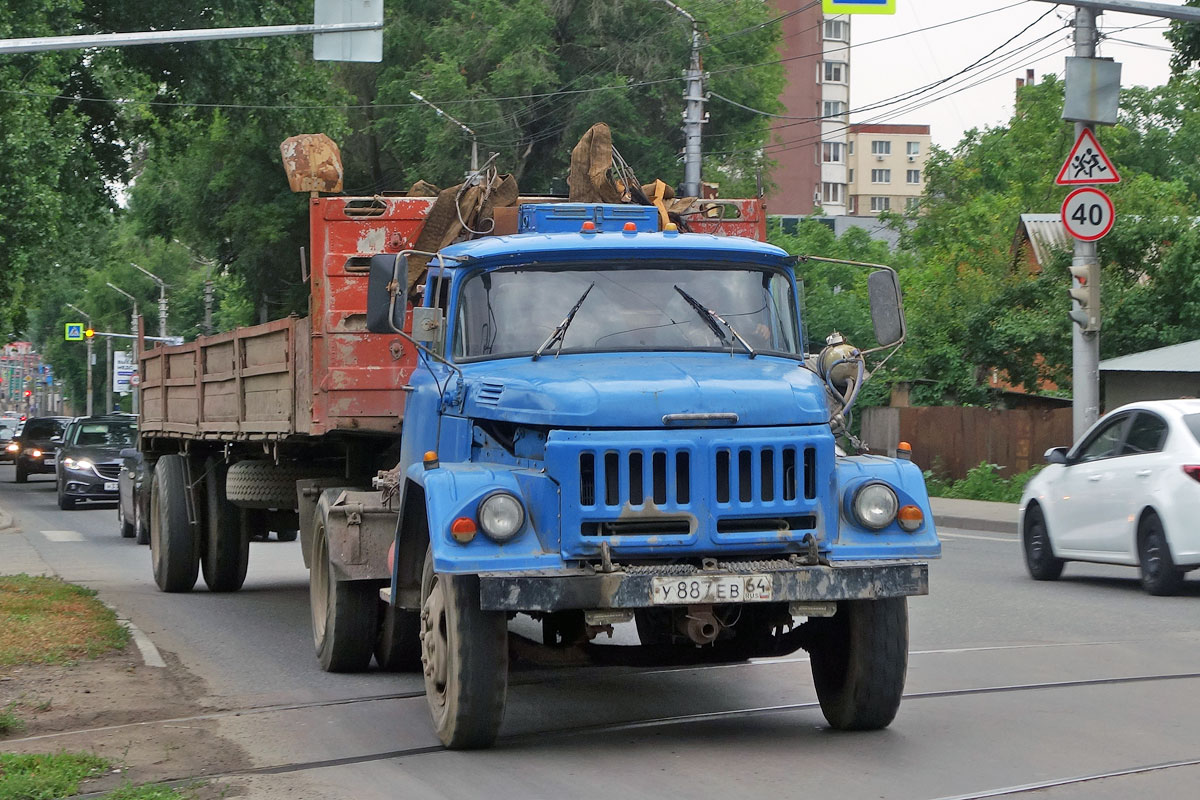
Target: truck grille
(647, 492)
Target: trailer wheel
(226, 548)
(344, 613)
(859, 658)
(174, 547)
(464, 652)
(398, 646)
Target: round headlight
(501, 516)
(875, 506)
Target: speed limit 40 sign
(1088, 214)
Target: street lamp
(469, 132)
(133, 325)
(88, 317)
(162, 298)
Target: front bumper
(630, 587)
(82, 486)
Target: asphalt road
(1084, 688)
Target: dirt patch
(140, 718)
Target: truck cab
(608, 422)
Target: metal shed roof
(1046, 232)
(1174, 358)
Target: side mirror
(56, 439)
(887, 311)
(1056, 455)
(129, 452)
(387, 293)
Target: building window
(850, 147)
(881, 176)
(881, 147)
(835, 72)
(836, 30)
(850, 178)
(914, 148)
(914, 176)
(852, 206)
(831, 193)
(831, 152)
(834, 108)
(881, 203)
(911, 203)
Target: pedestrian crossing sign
(74, 332)
(858, 6)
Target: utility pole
(88, 317)
(693, 116)
(1085, 346)
(208, 304)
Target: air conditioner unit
(879, 156)
(911, 158)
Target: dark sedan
(33, 447)
(89, 459)
(133, 508)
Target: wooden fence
(951, 440)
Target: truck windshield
(511, 311)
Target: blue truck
(596, 419)
(623, 425)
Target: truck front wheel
(464, 653)
(859, 658)
(344, 613)
(174, 546)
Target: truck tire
(344, 613)
(174, 547)
(262, 484)
(226, 547)
(398, 645)
(464, 651)
(859, 660)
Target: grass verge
(44, 777)
(983, 482)
(48, 621)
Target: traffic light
(28, 393)
(89, 333)
(1085, 290)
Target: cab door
(1135, 471)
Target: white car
(1128, 492)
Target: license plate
(710, 589)
(110, 486)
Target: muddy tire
(344, 613)
(859, 659)
(1039, 556)
(226, 549)
(398, 645)
(263, 484)
(1160, 576)
(464, 652)
(174, 547)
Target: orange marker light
(910, 518)
(631, 226)
(463, 529)
(588, 227)
(904, 451)
(430, 460)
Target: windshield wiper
(560, 332)
(712, 318)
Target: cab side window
(1147, 434)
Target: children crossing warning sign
(1087, 163)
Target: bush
(983, 482)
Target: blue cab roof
(580, 246)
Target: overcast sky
(880, 72)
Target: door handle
(1144, 473)
(1094, 478)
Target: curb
(991, 525)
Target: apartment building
(886, 167)
(834, 78)
(794, 144)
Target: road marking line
(63, 536)
(978, 538)
(150, 655)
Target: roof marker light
(631, 227)
(588, 227)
